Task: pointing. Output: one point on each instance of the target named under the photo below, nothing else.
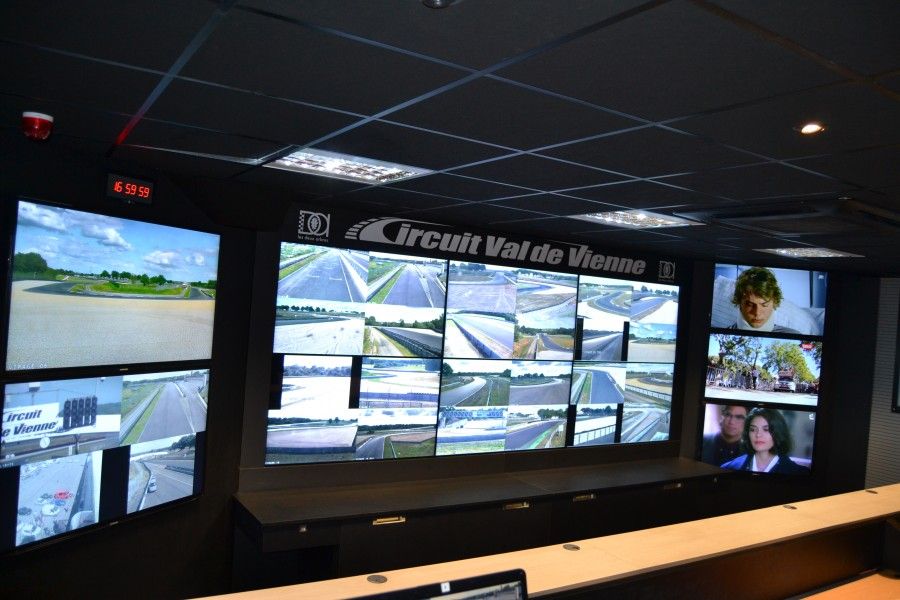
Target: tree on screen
(29, 262)
(782, 356)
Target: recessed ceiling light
(635, 219)
(808, 252)
(811, 128)
(342, 166)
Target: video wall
(107, 341)
(388, 356)
(761, 393)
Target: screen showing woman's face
(760, 436)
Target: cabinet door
(594, 514)
(404, 540)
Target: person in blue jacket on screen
(766, 442)
(756, 296)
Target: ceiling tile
(502, 28)
(301, 64)
(514, 117)
(838, 31)
(537, 173)
(854, 116)
(176, 163)
(307, 185)
(552, 204)
(486, 215)
(304, 75)
(761, 181)
(875, 168)
(645, 194)
(455, 186)
(671, 71)
(394, 143)
(146, 36)
(242, 113)
(399, 199)
(650, 152)
(41, 75)
(186, 139)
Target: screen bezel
(116, 209)
(705, 400)
(6, 304)
(272, 250)
(13, 473)
(746, 266)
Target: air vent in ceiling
(802, 217)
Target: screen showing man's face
(756, 310)
(733, 422)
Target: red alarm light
(36, 126)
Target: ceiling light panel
(341, 166)
(636, 219)
(809, 253)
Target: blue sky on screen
(89, 243)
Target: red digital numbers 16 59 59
(129, 188)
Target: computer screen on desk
(504, 585)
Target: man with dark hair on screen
(725, 444)
(757, 295)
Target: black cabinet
(293, 536)
(403, 540)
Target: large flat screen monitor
(763, 369)
(390, 356)
(83, 452)
(758, 439)
(769, 300)
(766, 370)
(88, 289)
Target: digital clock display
(129, 188)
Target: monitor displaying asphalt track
(349, 302)
(106, 368)
(390, 356)
(314, 422)
(481, 311)
(58, 436)
(610, 307)
(321, 299)
(88, 289)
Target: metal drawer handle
(389, 520)
(516, 505)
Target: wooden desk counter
(877, 586)
(554, 569)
